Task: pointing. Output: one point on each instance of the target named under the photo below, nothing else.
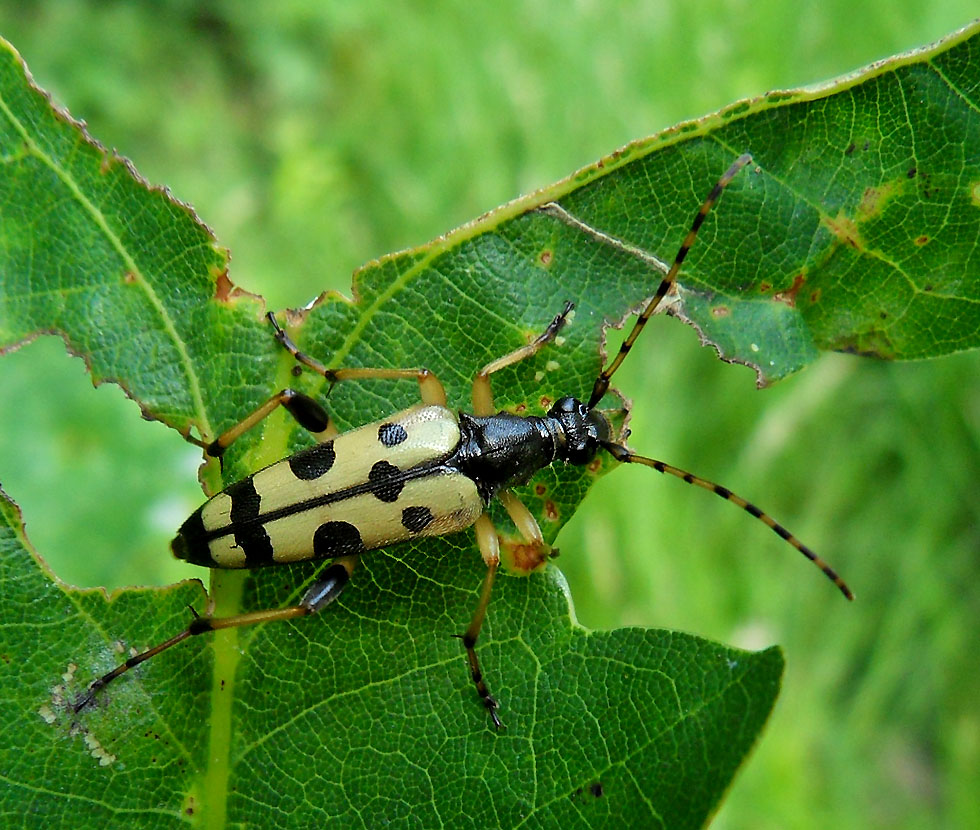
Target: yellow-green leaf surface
(855, 229)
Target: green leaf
(373, 697)
(367, 715)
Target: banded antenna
(621, 453)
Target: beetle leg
(482, 393)
(529, 529)
(307, 412)
(522, 518)
(324, 590)
(430, 387)
(486, 537)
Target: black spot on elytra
(244, 500)
(384, 485)
(337, 539)
(416, 519)
(250, 535)
(191, 542)
(314, 462)
(392, 434)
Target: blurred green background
(315, 136)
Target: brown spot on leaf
(815, 296)
(224, 288)
(545, 402)
(845, 229)
(225, 291)
(521, 407)
(523, 558)
(869, 201)
(550, 510)
(545, 258)
(540, 489)
(594, 465)
(129, 277)
(921, 240)
(765, 287)
(874, 199)
(789, 295)
(720, 311)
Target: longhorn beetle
(425, 471)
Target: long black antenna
(622, 454)
(602, 382)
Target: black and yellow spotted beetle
(426, 471)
